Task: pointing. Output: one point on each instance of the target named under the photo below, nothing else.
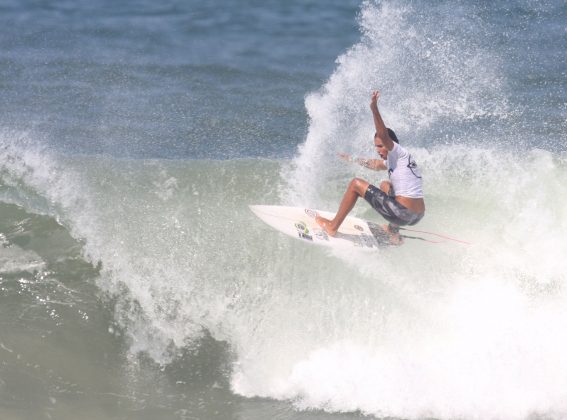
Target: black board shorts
(389, 208)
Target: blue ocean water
(175, 79)
(135, 282)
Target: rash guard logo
(412, 166)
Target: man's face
(382, 151)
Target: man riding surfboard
(399, 200)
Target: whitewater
(149, 287)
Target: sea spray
(432, 330)
(432, 78)
(443, 330)
(447, 330)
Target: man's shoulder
(400, 151)
(396, 150)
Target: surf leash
(435, 234)
(422, 239)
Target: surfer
(399, 200)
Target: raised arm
(379, 123)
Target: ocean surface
(135, 283)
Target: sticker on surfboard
(300, 223)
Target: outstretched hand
(374, 100)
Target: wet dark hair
(391, 134)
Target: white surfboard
(299, 223)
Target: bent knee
(359, 185)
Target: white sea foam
(442, 330)
(428, 330)
(445, 330)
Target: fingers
(374, 100)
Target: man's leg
(356, 188)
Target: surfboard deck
(299, 223)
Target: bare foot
(395, 237)
(326, 225)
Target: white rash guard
(404, 174)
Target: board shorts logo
(303, 231)
(359, 228)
